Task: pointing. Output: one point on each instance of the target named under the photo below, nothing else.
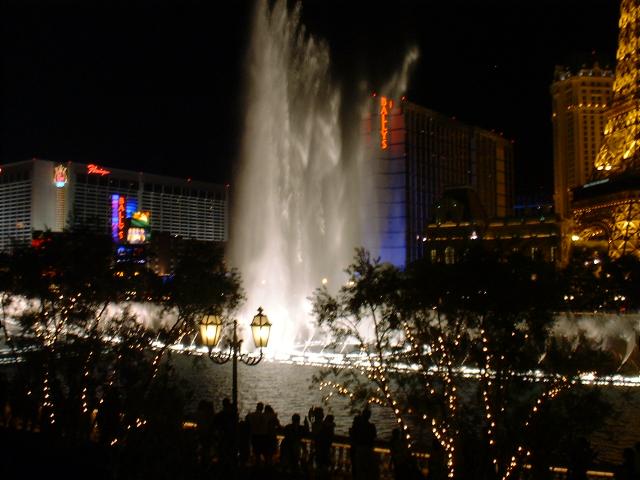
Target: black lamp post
(211, 331)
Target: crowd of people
(305, 443)
(260, 441)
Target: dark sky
(158, 86)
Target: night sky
(158, 86)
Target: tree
(485, 318)
(200, 284)
(87, 363)
(65, 282)
(363, 315)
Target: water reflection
(288, 389)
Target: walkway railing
(340, 456)
(341, 461)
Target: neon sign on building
(122, 211)
(60, 176)
(96, 170)
(385, 107)
(139, 228)
(124, 214)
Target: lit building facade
(40, 195)
(579, 102)
(606, 210)
(417, 153)
(460, 225)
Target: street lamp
(211, 331)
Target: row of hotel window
(151, 187)
(450, 256)
(14, 176)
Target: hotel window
(449, 256)
(434, 255)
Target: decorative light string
(522, 452)
(47, 401)
(85, 377)
(442, 431)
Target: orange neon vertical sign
(385, 107)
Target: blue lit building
(417, 154)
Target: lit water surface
(288, 389)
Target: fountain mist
(297, 205)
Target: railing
(341, 463)
(340, 460)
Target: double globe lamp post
(211, 327)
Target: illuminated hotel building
(579, 102)
(460, 225)
(418, 154)
(40, 195)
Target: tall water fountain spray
(295, 198)
(303, 192)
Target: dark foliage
(481, 334)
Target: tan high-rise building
(579, 102)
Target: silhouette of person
(244, 442)
(354, 430)
(627, 470)
(324, 439)
(204, 420)
(316, 414)
(291, 447)
(271, 439)
(225, 425)
(258, 427)
(363, 439)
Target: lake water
(288, 389)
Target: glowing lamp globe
(261, 328)
(210, 330)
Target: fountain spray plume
(293, 202)
(399, 82)
(301, 203)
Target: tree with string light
(362, 316)
(90, 371)
(486, 318)
(66, 283)
(201, 284)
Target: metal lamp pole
(210, 332)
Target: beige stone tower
(579, 103)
